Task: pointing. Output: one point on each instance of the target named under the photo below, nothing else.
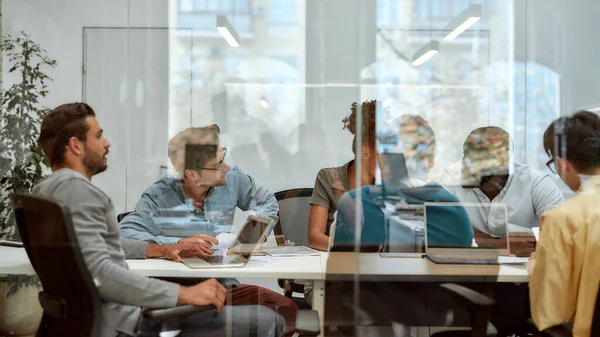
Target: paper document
(225, 241)
(512, 260)
(290, 251)
(536, 233)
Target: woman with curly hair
(332, 182)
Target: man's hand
(177, 251)
(205, 293)
(185, 249)
(522, 244)
(203, 240)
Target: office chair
(122, 215)
(70, 299)
(294, 210)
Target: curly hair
(369, 110)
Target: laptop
(484, 252)
(253, 232)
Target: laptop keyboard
(219, 259)
(471, 259)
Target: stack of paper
(290, 251)
(225, 241)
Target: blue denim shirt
(154, 221)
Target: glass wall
(152, 68)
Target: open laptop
(253, 232)
(484, 252)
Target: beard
(93, 162)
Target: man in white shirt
(485, 177)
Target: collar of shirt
(591, 185)
(342, 183)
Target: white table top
(373, 267)
(305, 267)
(370, 266)
(15, 261)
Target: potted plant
(22, 165)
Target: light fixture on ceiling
(263, 102)
(594, 110)
(463, 21)
(227, 31)
(425, 53)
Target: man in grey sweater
(72, 140)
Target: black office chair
(70, 299)
(294, 210)
(122, 215)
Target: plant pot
(20, 312)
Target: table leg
(319, 303)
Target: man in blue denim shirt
(210, 191)
(207, 192)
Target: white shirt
(527, 194)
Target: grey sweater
(122, 291)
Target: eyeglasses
(551, 166)
(218, 167)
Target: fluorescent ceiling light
(227, 31)
(463, 21)
(264, 103)
(425, 53)
(596, 109)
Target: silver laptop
(253, 232)
(442, 250)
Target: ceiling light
(264, 103)
(595, 110)
(425, 53)
(463, 21)
(227, 31)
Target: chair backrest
(122, 215)
(294, 210)
(71, 303)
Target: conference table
(318, 268)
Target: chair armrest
(307, 323)
(468, 294)
(165, 314)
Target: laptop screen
(451, 225)
(253, 233)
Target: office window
(186, 5)
(388, 12)
(283, 12)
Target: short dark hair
(59, 125)
(576, 139)
(369, 112)
(197, 155)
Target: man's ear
(190, 174)
(75, 146)
(563, 166)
